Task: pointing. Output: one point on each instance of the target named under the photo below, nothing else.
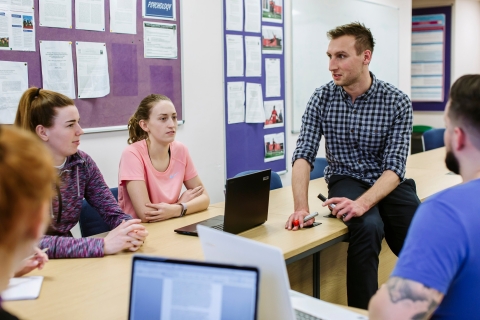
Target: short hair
(135, 132)
(27, 180)
(363, 36)
(37, 107)
(465, 105)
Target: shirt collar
(366, 95)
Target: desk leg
(316, 275)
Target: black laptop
(246, 205)
(164, 288)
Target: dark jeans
(391, 218)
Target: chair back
(318, 168)
(91, 222)
(275, 181)
(433, 139)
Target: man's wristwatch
(184, 209)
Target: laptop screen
(172, 289)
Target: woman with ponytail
(155, 167)
(54, 118)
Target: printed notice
(273, 114)
(272, 74)
(234, 55)
(159, 9)
(57, 67)
(123, 16)
(253, 13)
(234, 15)
(253, 54)
(90, 15)
(236, 102)
(274, 147)
(92, 70)
(17, 30)
(160, 40)
(55, 13)
(254, 109)
(13, 82)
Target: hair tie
(38, 92)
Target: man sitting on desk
(438, 271)
(367, 125)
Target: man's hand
(298, 215)
(345, 208)
(39, 260)
(162, 211)
(129, 235)
(190, 194)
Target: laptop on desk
(246, 205)
(169, 289)
(276, 300)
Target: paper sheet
(13, 82)
(160, 40)
(234, 15)
(272, 38)
(253, 13)
(272, 75)
(272, 11)
(236, 102)
(273, 114)
(24, 288)
(234, 55)
(274, 147)
(155, 9)
(92, 70)
(123, 16)
(254, 109)
(253, 55)
(17, 29)
(90, 15)
(57, 67)
(55, 13)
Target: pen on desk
(332, 205)
(310, 216)
(33, 255)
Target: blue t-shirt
(442, 250)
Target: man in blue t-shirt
(438, 272)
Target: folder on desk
(24, 288)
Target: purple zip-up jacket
(80, 178)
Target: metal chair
(433, 139)
(91, 222)
(275, 181)
(318, 168)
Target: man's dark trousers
(391, 218)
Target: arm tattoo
(407, 290)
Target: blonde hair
(27, 178)
(37, 107)
(135, 132)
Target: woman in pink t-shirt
(154, 167)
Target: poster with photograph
(273, 114)
(272, 40)
(272, 11)
(274, 147)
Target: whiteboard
(311, 19)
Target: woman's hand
(190, 194)
(128, 235)
(162, 211)
(38, 260)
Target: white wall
(204, 130)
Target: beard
(452, 162)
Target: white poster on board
(123, 16)
(160, 40)
(90, 15)
(234, 15)
(92, 70)
(234, 55)
(55, 13)
(13, 82)
(253, 56)
(272, 78)
(274, 146)
(17, 30)
(57, 67)
(254, 100)
(253, 16)
(236, 102)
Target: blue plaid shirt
(362, 139)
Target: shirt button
(354, 111)
(359, 161)
(355, 146)
(352, 131)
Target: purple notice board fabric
(244, 142)
(131, 74)
(439, 106)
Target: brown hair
(135, 132)
(27, 178)
(465, 105)
(363, 36)
(37, 107)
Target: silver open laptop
(276, 300)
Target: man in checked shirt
(367, 125)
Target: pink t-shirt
(135, 164)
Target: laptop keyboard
(305, 316)
(218, 227)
